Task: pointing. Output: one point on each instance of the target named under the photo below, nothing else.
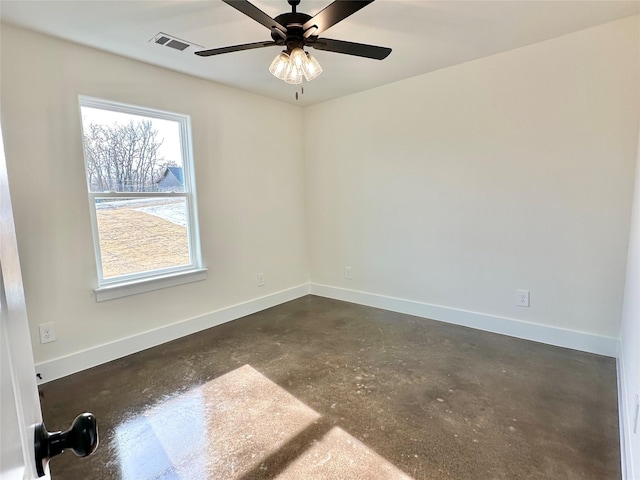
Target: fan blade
(351, 48)
(250, 10)
(235, 48)
(334, 13)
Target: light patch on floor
(227, 427)
(339, 455)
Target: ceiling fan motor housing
(294, 34)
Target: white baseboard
(82, 360)
(560, 337)
(76, 362)
(624, 421)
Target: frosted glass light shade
(298, 58)
(311, 68)
(280, 66)
(294, 75)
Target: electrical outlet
(47, 332)
(522, 298)
(347, 273)
(260, 279)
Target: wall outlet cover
(522, 298)
(47, 332)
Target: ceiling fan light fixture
(294, 66)
(280, 66)
(312, 68)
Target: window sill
(125, 289)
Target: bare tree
(122, 157)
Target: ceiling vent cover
(173, 42)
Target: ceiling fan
(295, 30)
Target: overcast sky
(168, 130)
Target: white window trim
(133, 284)
(134, 287)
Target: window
(139, 170)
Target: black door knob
(81, 438)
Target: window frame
(134, 283)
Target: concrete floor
(322, 389)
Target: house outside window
(140, 178)
(172, 180)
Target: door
(22, 434)
(19, 397)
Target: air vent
(177, 44)
(162, 39)
(174, 42)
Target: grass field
(132, 241)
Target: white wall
(250, 190)
(457, 187)
(629, 354)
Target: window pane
(140, 235)
(131, 153)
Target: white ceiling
(424, 35)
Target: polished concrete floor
(322, 389)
